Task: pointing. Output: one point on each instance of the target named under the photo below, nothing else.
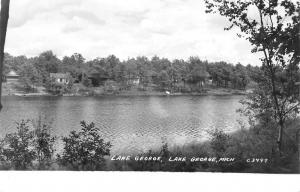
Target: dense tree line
(161, 73)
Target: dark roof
(100, 73)
(59, 75)
(12, 74)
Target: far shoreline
(211, 92)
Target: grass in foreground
(32, 148)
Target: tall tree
(75, 65)
(272, 28)
(3, 27)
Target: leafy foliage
(32, 146)
(84, 150)
(273, 31)
(18, 147)
(43, 143)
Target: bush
(84, 150)
(17, 148)
(31, 145)
(58, 88)
(259, 141)
(219, 142)
(87, 82)
(43, 143)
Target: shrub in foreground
(18, 148)
(43, 143)
(30, 147)
(84, 150)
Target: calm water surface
(132, 124)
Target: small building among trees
(61, 78)
(134, 81)
(12, 76)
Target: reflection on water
(132, 124)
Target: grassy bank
(245, 151)
(248, 150)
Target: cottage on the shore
(133, 81)
(61, 78)
(208, 79)
(12, 76)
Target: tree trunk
(277, 108)
(280, 136)
(4, 14)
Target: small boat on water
(19, 94)
(30, 94)
(168, 93)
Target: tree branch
(291, 109)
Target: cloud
(88, 16)
(97, 28)
(71, 29)
(135, 17)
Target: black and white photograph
(150, 85)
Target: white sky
(125, 28)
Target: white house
(62, 78)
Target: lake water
(132, 124)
